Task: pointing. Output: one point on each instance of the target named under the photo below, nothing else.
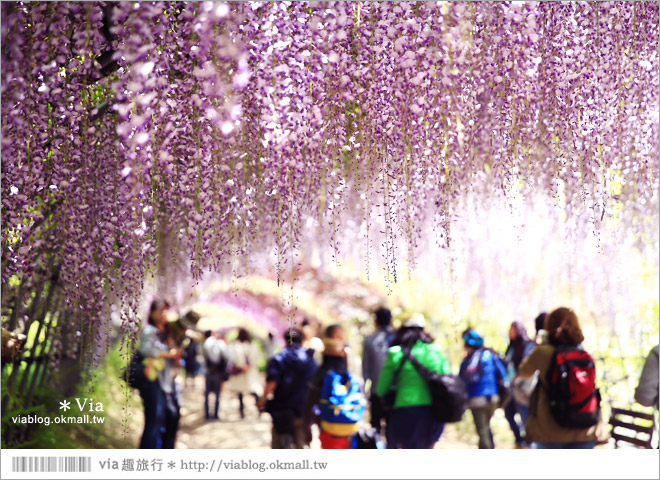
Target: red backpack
(574, 398)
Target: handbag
(523, 389)
(448, 393)
(236, 370)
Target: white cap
(415, 320)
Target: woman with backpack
(583, 426)
(520, 346)
(410, 423)
(483, 372)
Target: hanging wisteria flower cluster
(133, 131)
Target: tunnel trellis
(132, 131)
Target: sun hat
(416, 320)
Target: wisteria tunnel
(262, 163)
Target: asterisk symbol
(65, 405)
(171, 464)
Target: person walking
(646, 392)
(374, 354)
(244, 379)
(173, 398)
(520, 345)
(481, 370)
(269, 346)
(311, 339)
(192, 365)
(215, 358)
(334, 364)
(287, 375)
(155, 351)
(541, 335)
(410, 424)
(563, 331)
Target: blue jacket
(480, 370)
(292, 370)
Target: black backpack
(218, 368)
(448, 393)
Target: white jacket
(242, 354)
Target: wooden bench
(637, 427)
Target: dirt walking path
(252, 432)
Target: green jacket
(412, 388)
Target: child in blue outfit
(480, 370)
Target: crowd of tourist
(545, 384)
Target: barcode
(51, 464)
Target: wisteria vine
(134, 131)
